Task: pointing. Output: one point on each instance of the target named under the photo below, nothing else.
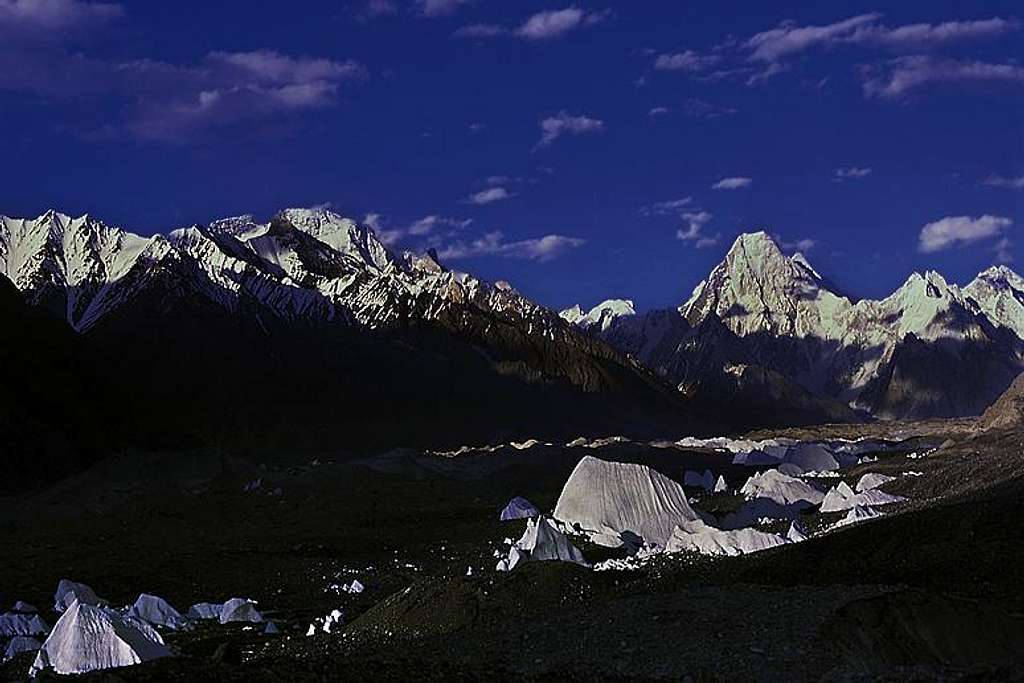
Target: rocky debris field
(929, 588)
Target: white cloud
(55, 15)
(1003, 253)
(685, 61)
(553, 127)
(374, 9)
(705, 110)
(842, 174)
(670, 207)
(388, 236)
(1000, 181)
(428, 224)
(494, 244)
(911, 73)
(789, 39)
(960, 230)
(733, 183)
(557, 23)
(491, 194)
(480, 31)
(803, 245)
(439, 8)
(695, 222)
(658, 111)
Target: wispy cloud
(685, 61)
(55, 15)
(374, 9)
(428, 224)
(1003, 250)
(667, 208)
(801, 245)
(160, 100)
(658, 111)
(960, 230)
(790, 38)
(488, 196)
(905, 74)
(480, 31)
(693, 230)
(1001, 181)
(440, 8)
(494, 244)
(840, 175)
(732, 183)
(563, 123)
(705, 110)
(547, 25)
(387, 235)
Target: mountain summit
(930, 348)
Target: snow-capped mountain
(930, 348)
(302, 263)
(307, 329)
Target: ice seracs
(872, 480)
(518, 508)
(619, 504)
(20, 645)
(157, 612)
(782, 489)
(70, 591)
(240, 609)
(542, 541)
(88, 638)
(696, 536)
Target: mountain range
(930, 349)
(303, 332)
(306, 332)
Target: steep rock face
(1008, 410)
(928, 349)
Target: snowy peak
(758, 289)
(998, 293)
(602, 316)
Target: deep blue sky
(156, 115)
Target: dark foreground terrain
(931, 590)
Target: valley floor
(930, 589)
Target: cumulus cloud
(851, 173)
(732, 183)
(685, 61)
(494, 244)
(960, 230)
(1001, 181)
(562, 123)
(906, 74)
(693, 230)
(55, 15)
(488, 196)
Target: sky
(580, 151)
